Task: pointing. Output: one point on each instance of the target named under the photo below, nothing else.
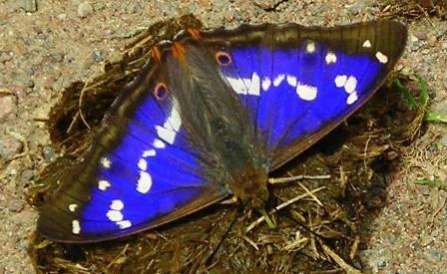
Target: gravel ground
(45, 47)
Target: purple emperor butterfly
(211, 115)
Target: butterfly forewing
(210, 115)
(299, 83)
(141, 172)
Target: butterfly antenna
(209, 259)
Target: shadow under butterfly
(211, 115)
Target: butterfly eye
(223, 58)
(160, 91)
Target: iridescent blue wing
(141, 172)
(298, 83)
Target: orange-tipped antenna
(178, 51)
(156, 54)
(194, 33)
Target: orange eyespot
(223, 58)
(160, 91)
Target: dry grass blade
(283, 205)
(345, 266)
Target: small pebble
(49, 154)
(61, 16)
(415, 43)
(8, 107)
(421, 35)
(432, 40)
(414, 38)
(16, 205)
(98, 56)
(29, 5)
(26, 177)
(9, 147)
(425, 190)
(23, 78)
(48, 82)
(444, 45)
(57, 57)
(6, 56)
(84, 9)
(87, 63)
(436, 255)
(390, 237)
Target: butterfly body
(211, 114)
(215, 123)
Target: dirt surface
(43, 51)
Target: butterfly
(210, 115)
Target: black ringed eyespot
(160, 91)
(223, 58)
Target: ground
(44, 48)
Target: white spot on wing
(246, 86)
(105, 162)
(352, 98)
(144, 183)
(149, 153)
(310, 47)
(103, 185)
(239, 85)
(278, 80)
(114, 215)
(158, 143)
(166, 134)
(351, 84)
(117, 205)
(255, 87)
(340, 80)
(331, 58)
(72, 207)
(124, 224)
(75, 227)
(291, 80)
(382, 57)
(367, 44)
(142, 164)
(266, 82)
(169, 130)
(306, 92)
